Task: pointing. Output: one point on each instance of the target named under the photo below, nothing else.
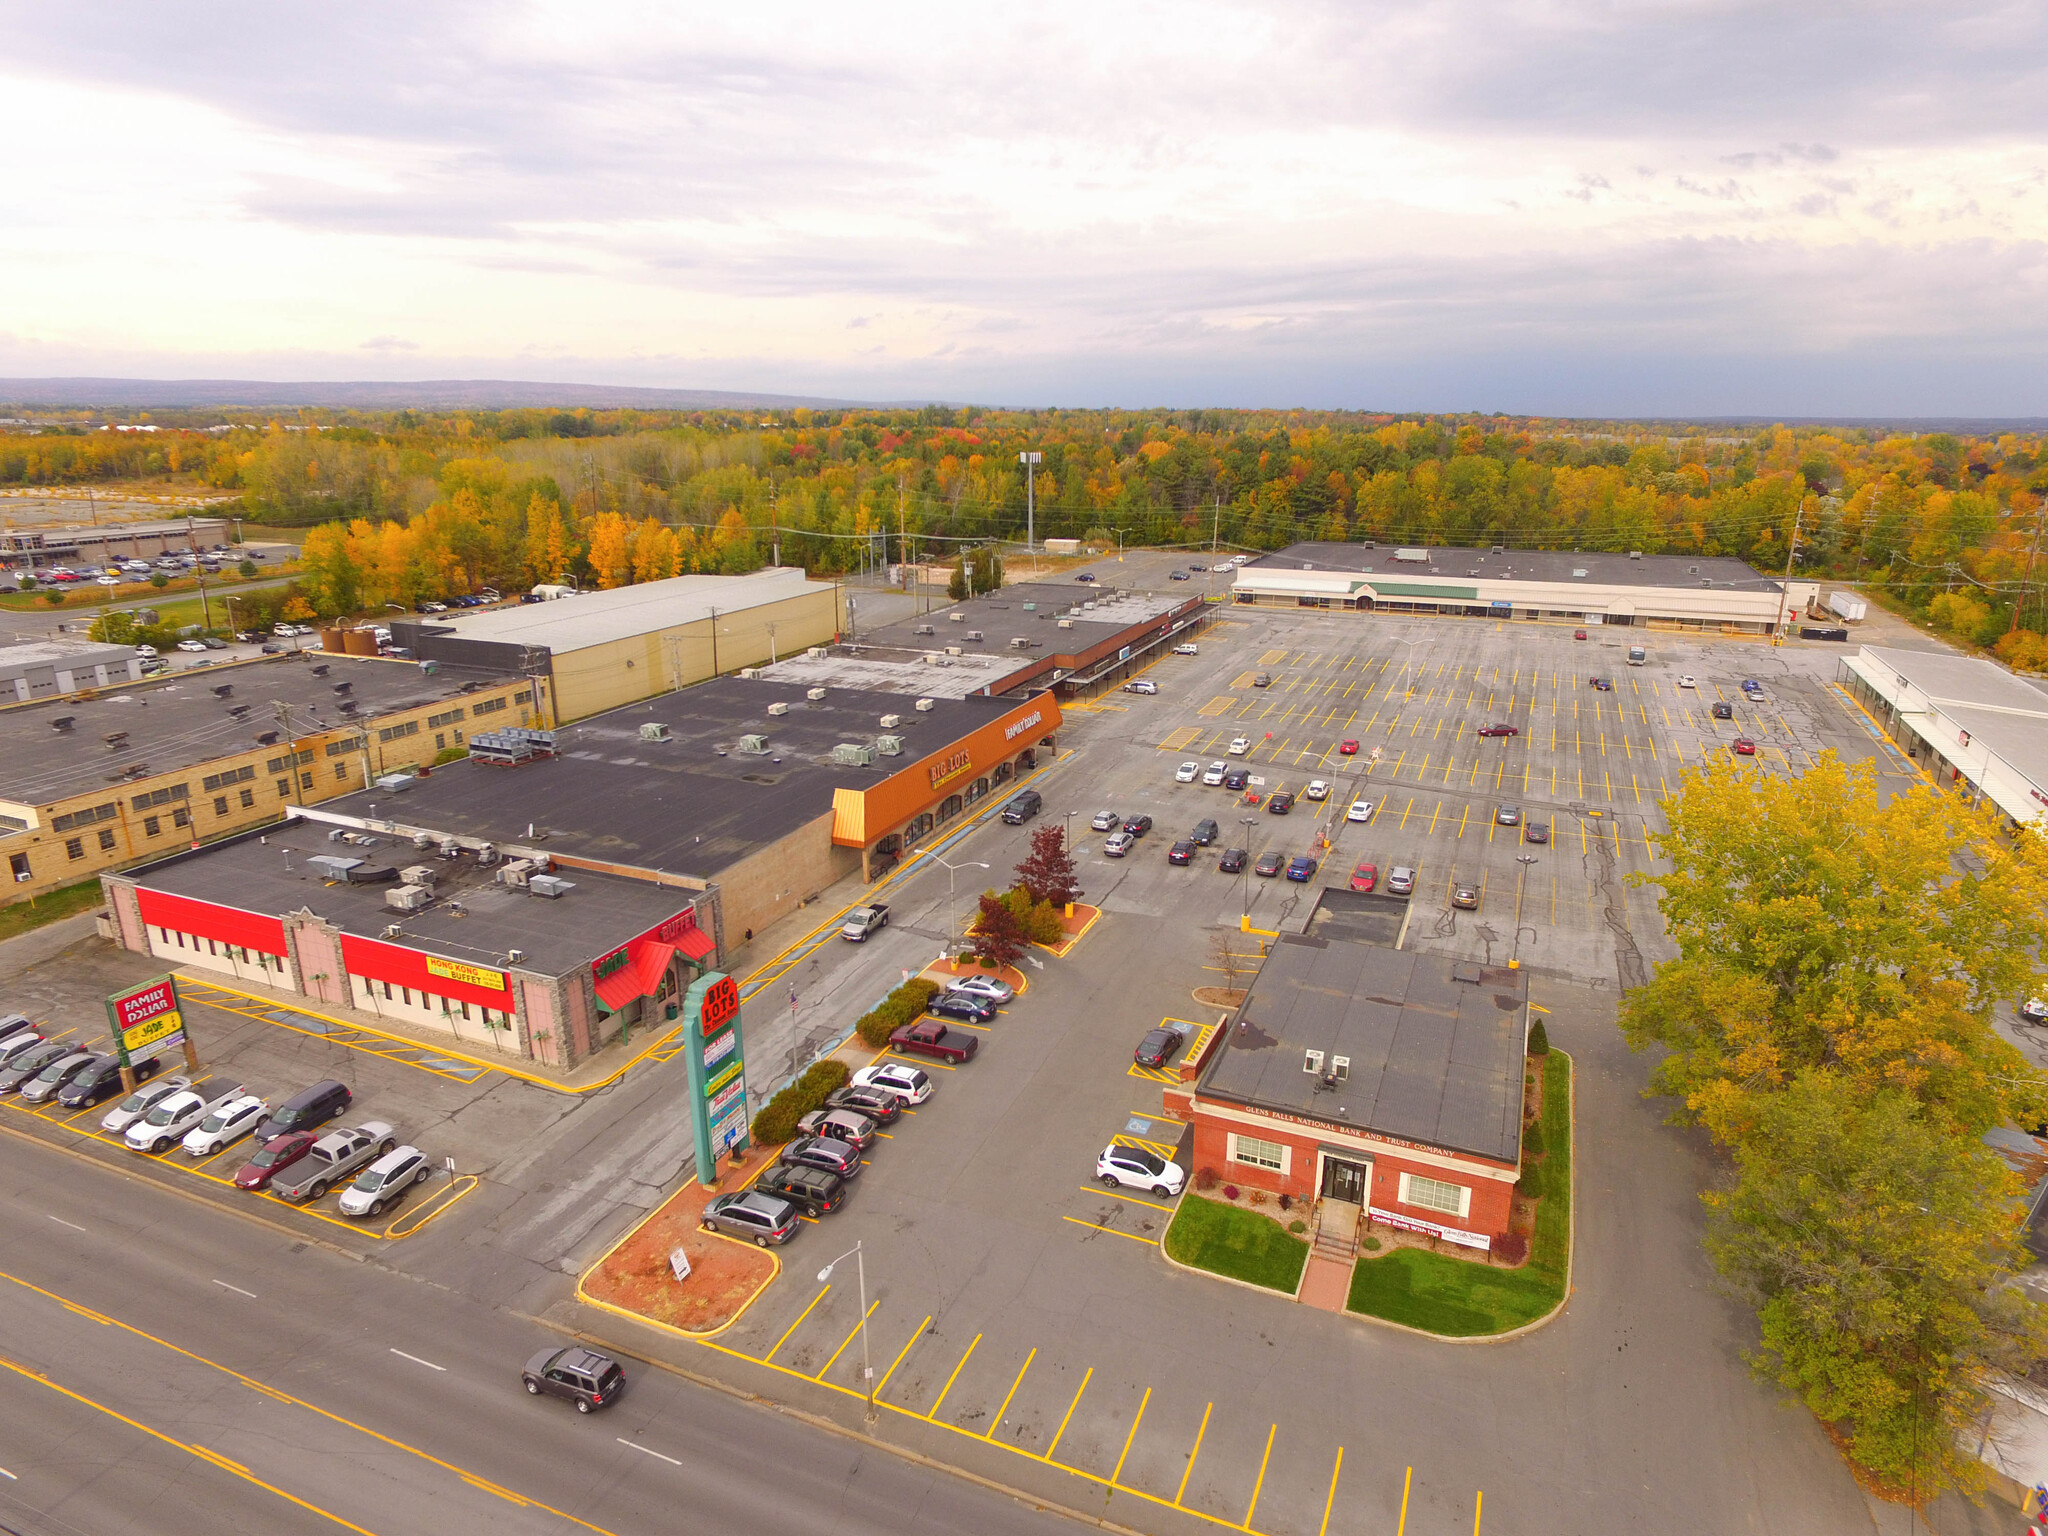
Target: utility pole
(205, 608)
(291, 746)
(1030, 461)
(2027, 582)
(714, 640)
(1785, 588)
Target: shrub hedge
(776, 1120)
(898, 1008)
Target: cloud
(1145, 193)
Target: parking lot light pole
(867, 1370)
(1244, 876)
(1407, 687)
(952, 916)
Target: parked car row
(813, 1172)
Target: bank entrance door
(1345, 1181)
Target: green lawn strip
(65, 901)
(1244, 1245)
(1463, 1299)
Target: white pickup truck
(165, 1126)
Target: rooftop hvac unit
(1031, 607)
(487, 854)
(952, 650)
(814, 694)
(222, 690)
(423, 841)
(931, 658)
(451, 849)
(889, 746)
(395, 783)
(63, 722)
(961, 618)
(974, 634)
(851, 754)
(816, 653)
(408, 898)
(653, 730)
(754, 746)
(554, 887)
(236, 711)
(1635, 554)
(778, 708)
(371, 874)
(925, 629)
(517, 871)
(263, 738)
(419, 874)
(349, 707)
(890, 722)
(750, 672)
(321, 670)
(926, 706)
(344, 688)
(1066, 623)
(1578, 570)
(330, 866)
(1413, 556)
(337, 834)
(942, 661)
(1090, 604)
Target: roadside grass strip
(1463, 1299)
(1243, 1245)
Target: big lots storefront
(560, 978)
(1380, 1085)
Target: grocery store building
(1384, 1083)
(1685, 592)
(1971, 724)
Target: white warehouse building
(1700, 592)
(1971, 724)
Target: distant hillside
(370, 394)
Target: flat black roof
(1435, 1045)
(1032, 611)
(473, 917)
(692, 805)
(178, 721)
(1459, 564)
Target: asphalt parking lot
(1020, 1320)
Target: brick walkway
(1326, 1284)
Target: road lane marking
(74, 1226)
(236, 1289)
(632, 1445)
(416, 1360)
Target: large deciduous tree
(1048, 871)
(999, 938)
(1818, 926)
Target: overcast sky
(1555, 206)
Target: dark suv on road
(586, 1378)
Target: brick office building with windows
(1385, 1084)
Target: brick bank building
(1384, 1083)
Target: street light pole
(1244, 876)
(867, 1369)
(952, 913)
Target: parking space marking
(932, 1413)
(1003, 1412)
(1118, 1194)
(1104, 1226)
(1116, 1477)
(1061, 1431)
(792, 1328)
(884, 1382)
(1335, 1472)
(335, 1032)
(847, 1340)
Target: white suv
(1214, 773)
(1239, 747)
(1120, 1165)
(908, 1083)
(1185, 650)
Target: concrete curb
(829, 1425)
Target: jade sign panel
(717, 1070)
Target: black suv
(586, 1378)
(1138, 826)
(102, 1080)
(1724, 711)
(814, 1191)
(1281, 803)
(1205, 832)
(1233, 861)
(306, 1109)
(1023, 806)
(1237, 778)
(1182, 852)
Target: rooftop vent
(266, 738)
(926, 706)
(957, 618)
(239, 710)
(554, 887)
(116, 739)
(750, 672)
(222, 690)
(778, 708)
(754, 746)
(344, 688)
(1578, 571)
(814, 694)
(63, 722)
(1692, 570)
(890, 722)
(889, 746)
(974, 634)
(330, 866)
(653, 730)
(926, 629)
(321, 670)
(395, 783)
(1066, 623)
(851, 754)
(349, 706)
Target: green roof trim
(1422, 589)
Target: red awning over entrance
(695, 943)
(646, 964)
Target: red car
(1744, 747)
(1499, 730)
(1348, 746)
(1578, 634)
(276, 1155)
(1365, 877)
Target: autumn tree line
(1943, 526)
(1829, 1021)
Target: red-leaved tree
(1048, 874)
(999, 939)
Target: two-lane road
(162, 1367)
